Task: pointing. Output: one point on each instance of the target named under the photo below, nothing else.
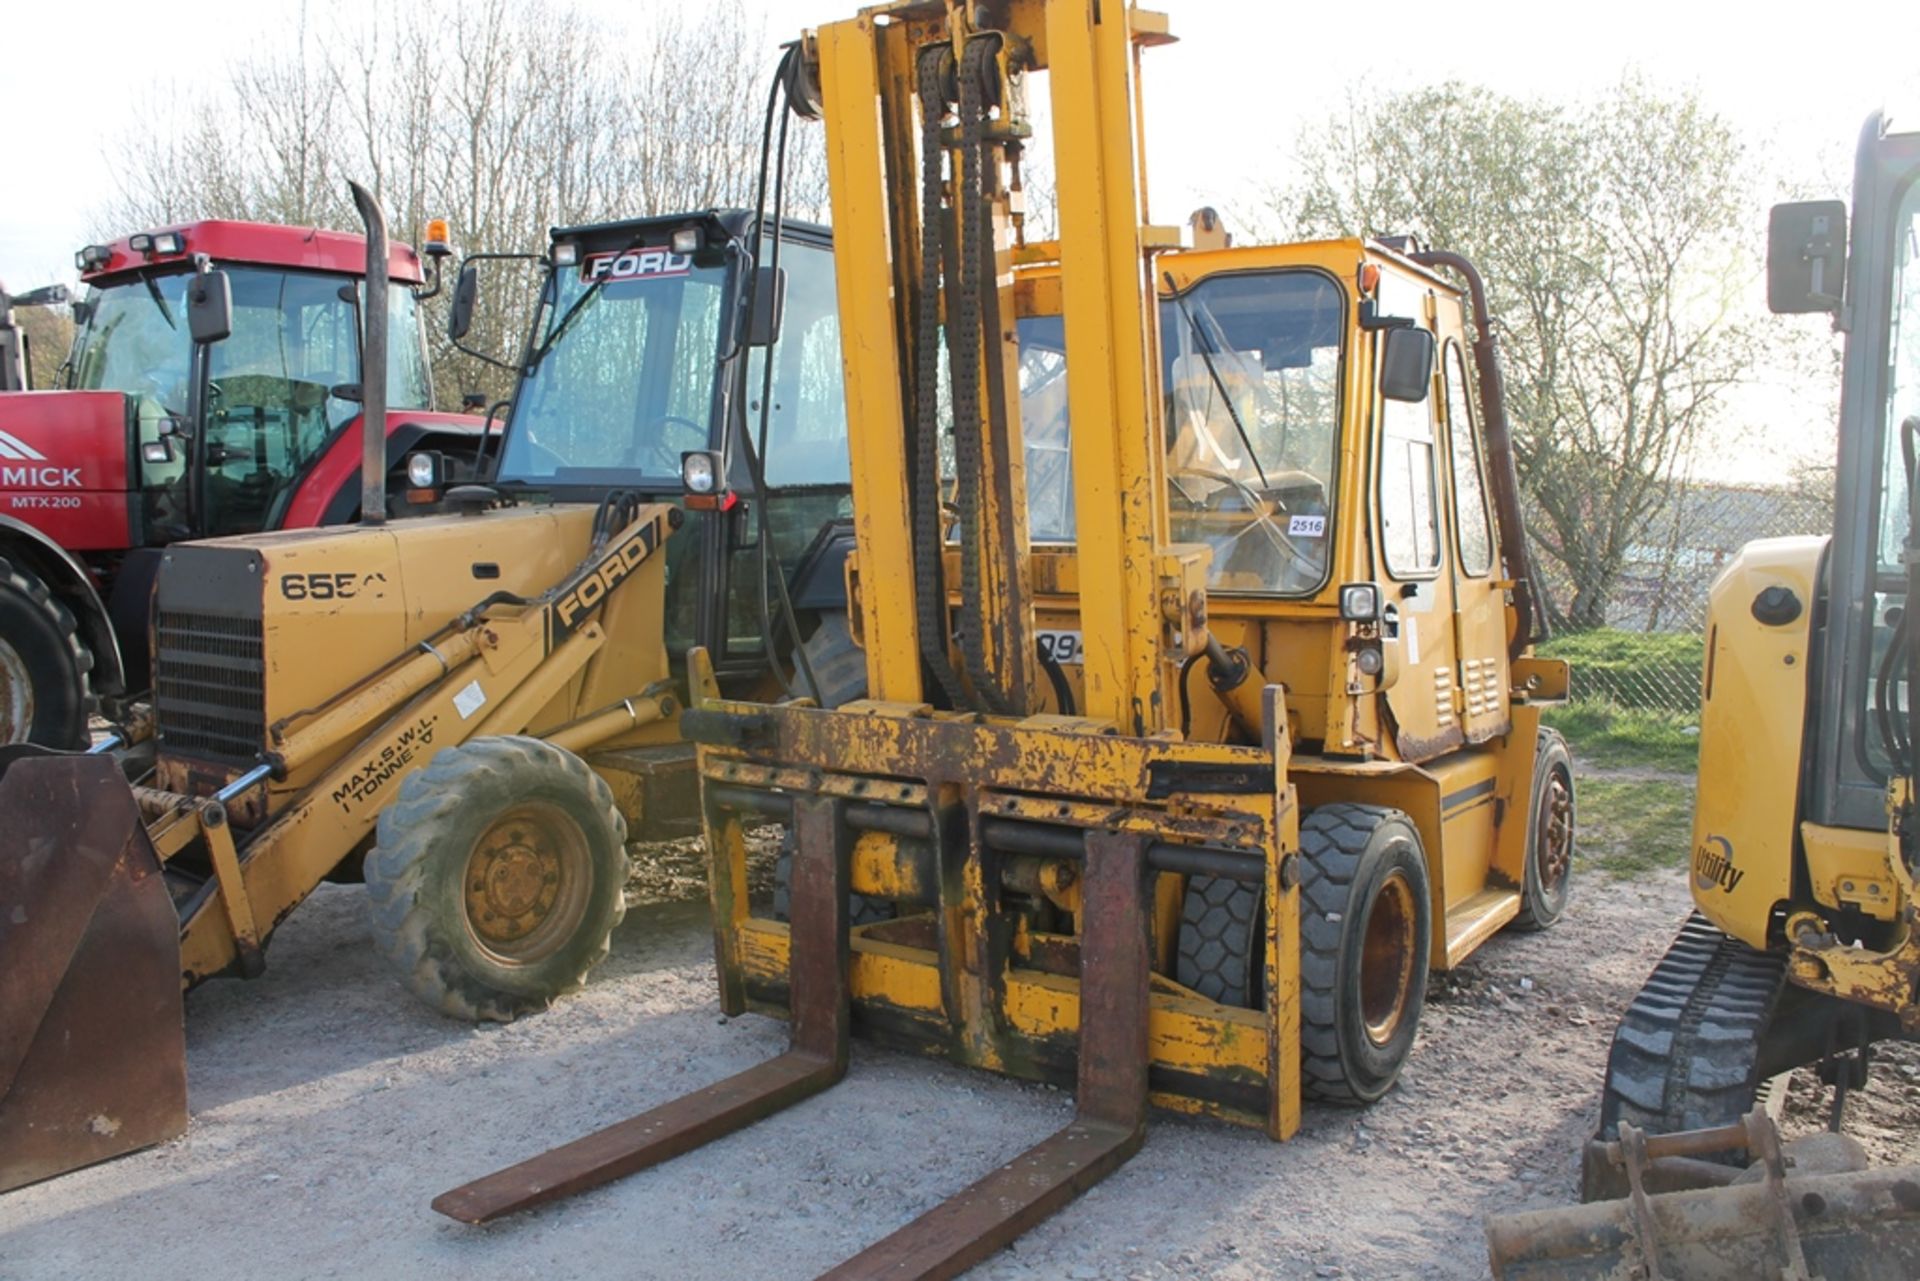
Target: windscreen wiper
(1213, 372)
(573, 312)
(159, 300)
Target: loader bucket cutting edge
(1110, 1116)
(93, 1056)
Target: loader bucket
(1795, 1214)
(93, 1060)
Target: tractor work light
(156, 451)
(141, 244)
(566, 253)
(423, 470)
(686, 240)
(169, 242)
(93, 257)
(699, 471)
(1360, 602)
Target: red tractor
(212, 389)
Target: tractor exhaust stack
(373, 363)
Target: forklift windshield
(626, 382)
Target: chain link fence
(1648, 655)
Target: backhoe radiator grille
(210, 686)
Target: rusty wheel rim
(1387, 958)
(528, 878)
(16, 696)
(1553, 854)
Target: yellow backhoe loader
(1804, 946)
(472, 711)
(1203, 719)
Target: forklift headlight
(566, 254)
(686, 240)
(1360, 602)
(423, 470)
(699, 471)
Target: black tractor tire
(43, 666)
(862, 909)
(1548, 876)
(1365, 930)
(497, 877)
(836, 662)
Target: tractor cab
(666, 358)
(226, 424)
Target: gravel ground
(329, 1108)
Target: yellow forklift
(1202, 717)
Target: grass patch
(1653, 671)
(1629, 826)
(1605, 733)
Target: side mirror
(1806, 256)
(465, 291)
(209, 307)
(1406, 364)
(769, 306)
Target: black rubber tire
(416, 869)
(1542, 905)
(1350, 854)
(43, 636)
(862, 909)
(1219, 953)
(837, 663)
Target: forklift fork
(1110, 1116)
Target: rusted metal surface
(92, 1046)
(1111, 1106)
(1850, 1225)
(817, 1058)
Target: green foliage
(1603, 733)
(1632, 825)
(1630, 670)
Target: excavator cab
(1804, 945)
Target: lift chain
(930, 591)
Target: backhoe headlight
(699, 471)
(1360, 602)
(423, 470)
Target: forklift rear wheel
(1365, 927)
(1550, 834)
(498, 876)
(43, 665)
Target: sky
(1224, 104)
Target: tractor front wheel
(497, 877)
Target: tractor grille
(210, 687)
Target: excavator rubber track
(1686, 1055)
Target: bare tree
(507, 117)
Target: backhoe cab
(1202, 719)
(471, 712)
